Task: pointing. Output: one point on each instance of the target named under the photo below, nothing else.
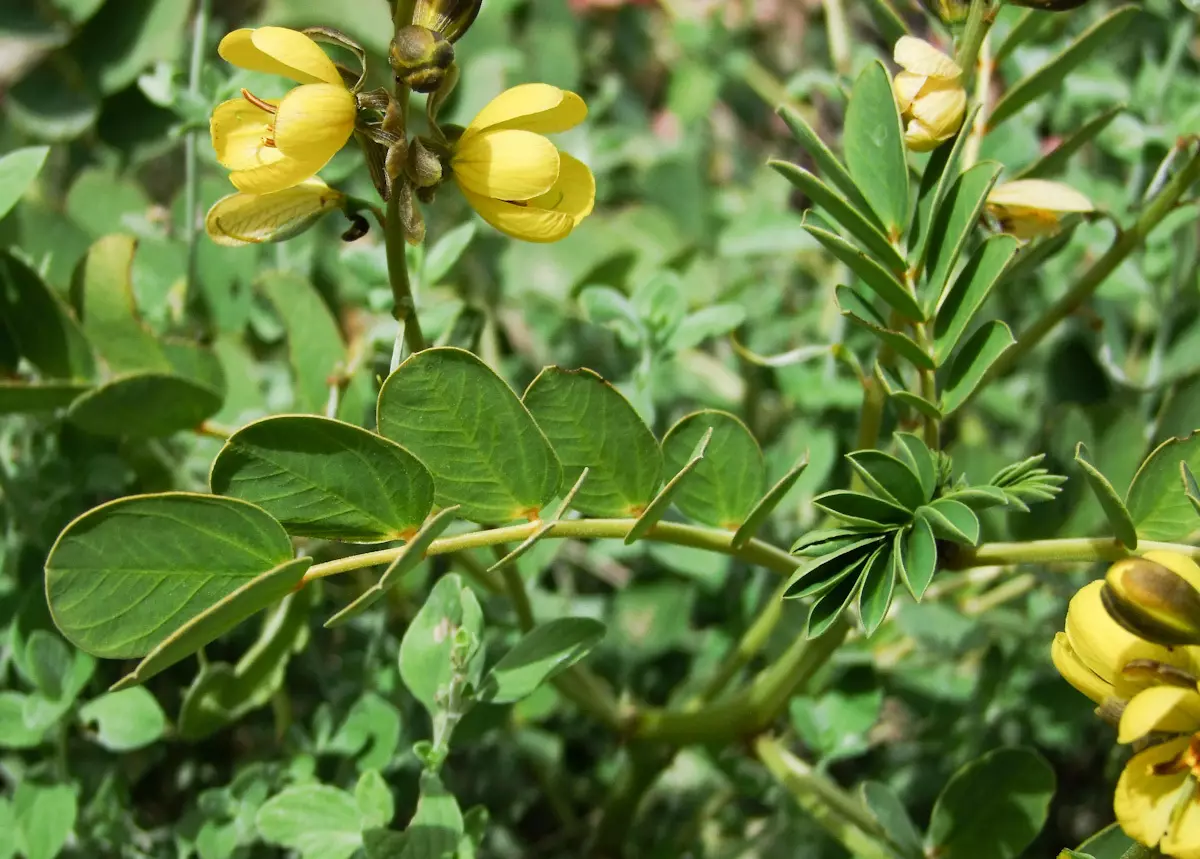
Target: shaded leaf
(860, 509)
(821, 574)
(727, 483)
(43, 328)
(889, 477)
(953, 223)
(878, 279)
(975, 357)
(144, 405)
(126, 720)
(542, 653)
(658, 507)
(916, 557)
(425, 664)
(18, 169)
(1156, 504)
(767, 504)
(21, 397)
(951, 520)
(878, 585)
(830, 167)
(829, 606)
(1110, 501)
(969, 292)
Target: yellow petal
(919, 137)
(1171, 709)
(531, 107)
(522, 221)
(1180, 565)
(1143, 801)
(1107, 648)
(279, 51)
(238, 130)
(273, 176)
(1039, 194)
(241, 219)
(906, 86)
(941, 108)
(1183, 839)
(1071, 667)
(922, 58)
(573, 194)
(314, 122)
(506, 165)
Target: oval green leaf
(969, 291)
(858, 508)
(1158, 505)
(729, 481)
(22, 397)
(18, 169)
(325, 478)
(955, 219)
(425, 650)
(951, 520)
(878, 586)
(542, 653)
(591, 425)
(889, 477)
(916, 557)
(479, 442)
(974, 359)
(832, 170)
(125, 576)
(145, 405)
(877, 278)
(873, 140)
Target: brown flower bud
(420, 57)
(1154, 601)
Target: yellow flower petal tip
(247, 219)
(513, 176)
(273, 145)
(1028, 208)
(929, 94)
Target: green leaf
(103, 292)
(466, 425)
(939, 174)
(969, 292)
(374, 800)
(913, 450)
(316, 820)
(125, 38)
(899, 342)
(145, 405)
(51, 102)
(953, 223)
(1055, 161)
(19, 397)
(951, 520)
(830, 167)
(1049, 78)
(45, 817)
(873, 140)
(542, 653)
(1110, 501)
(8, 826)
(49, 663)
(437, 826)
(316, 352)
(407, 560)
(993, 807)
(445, 252)
(326, 479)
(126, 720)
(858, 508)
(1190, 487)
(889, 477)
(966, 371)
(829, 606)
(45, 331)
(878, 279)
(263, 591)
(917, 403)
(887, 808)
(839, 208)
(767, 504)
(727, 483)
(1109, 843)
(591, 425)
(123, 577)
(425, 664)
(658, 507)
(1024, 29)
(371, 732)
(18, 169)
(878, 585)
(1160, 511)
(713, 320)
(825, 571)
(15, 733)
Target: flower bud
(245, 219)
(1028, 208)
(952, 13)
(1155, 597)
(929, 93)
(450, 18)
(420, 57)
(424, 166)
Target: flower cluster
(1147, 688)
(505, 166)
(929, 92)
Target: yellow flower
(1093, 653)
(1028, 208)
(241, 218)
(270, 145)
(1157, 800)
(513, 176)
(929, 93)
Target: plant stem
(645, 764)
(403, 307)
(1127, 242)
(839, 35)
(1073, 550)
(751, 642)
(755, 551)
(839, 813)
(983, 89)
(519, 596)
(191, 150)
(979, 22)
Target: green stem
(1127, 242)
(838, 31)
(837, 811)
(515, 586)
(645, 764)
(404, 308)
(979, 22)
(1073, 550)
(755, 552)
(191, 150)
(751, 642)
(983, 88)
